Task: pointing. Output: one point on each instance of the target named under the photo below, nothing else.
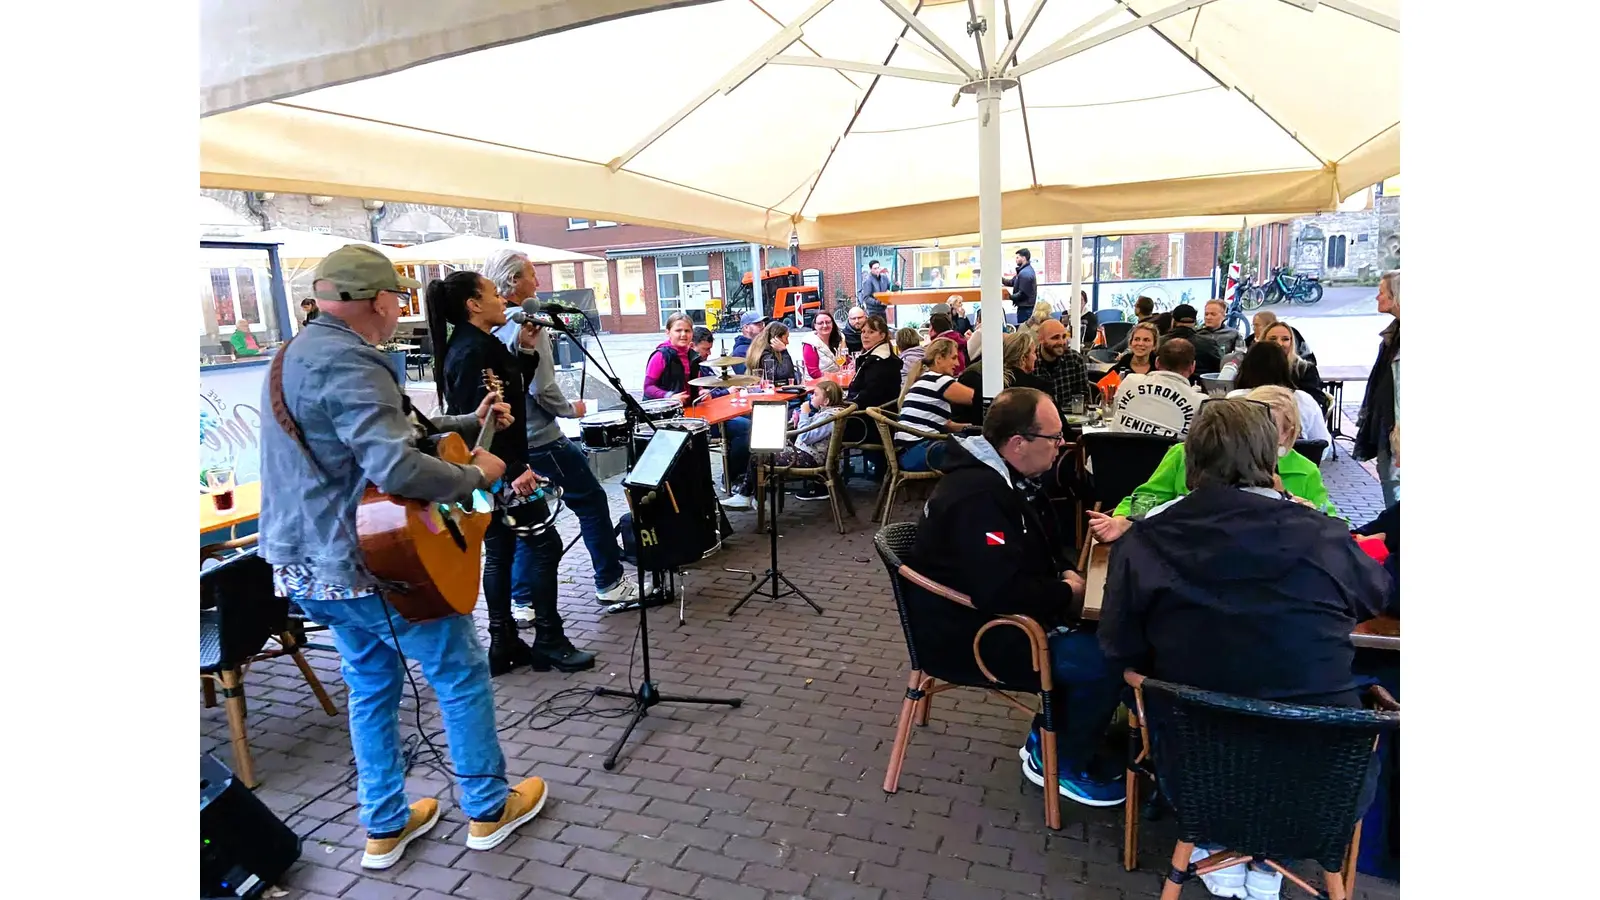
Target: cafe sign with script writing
(230, 420)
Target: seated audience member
(807, 450)
(877, 379)
(750, 325)
(1225, 338)
(1298, 477)
(908, 342)
(939, 327)
(242, 340)
(1266, 317)
(1207, 361)
(1162, 402)
(822, 350)
(1141, 356)
(927, 401)
(1260, 608)
(1144, 310)
(1265, 364)
(769, 358)
(958, 316)
(1385, 529)
(1042, 313)
(1060, 366)
(1305, 374)
(667, 375)
(987, 532)
(702, 344)
(854, 321)
(1021, 357)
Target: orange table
(246, 507)
(720, 409)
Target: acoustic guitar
(434, 549)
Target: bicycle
(1301, 289)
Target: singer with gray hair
(552, 455)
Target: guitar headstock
(493, 384)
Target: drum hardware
(725, 381)
(724, 362)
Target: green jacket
(241, 346)
(1301, 477)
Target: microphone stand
(645, 695)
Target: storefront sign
(230, 420)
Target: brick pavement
(781, 798)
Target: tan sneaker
(522, 803)
(385, 852)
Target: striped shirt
(925, 406)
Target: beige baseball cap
(358, 273)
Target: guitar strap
(280, 407)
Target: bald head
(1052, 339)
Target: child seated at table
(805, 450)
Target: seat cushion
(210, 640)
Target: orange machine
(783, 291)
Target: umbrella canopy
(1111, 229)
(1110, 111)
(469, 248)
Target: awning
(718, 247)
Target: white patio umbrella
(470, 248)
(1084, 111)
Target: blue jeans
(457, 668)
(566, 467)
(1388, 479)
(737, 433)
(914, 457)
(1086, 695)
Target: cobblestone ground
(780, 798)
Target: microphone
(526, 316)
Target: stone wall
(346, 217)
(1370, 238)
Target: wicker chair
(888, 423)
(838, 497)
(1269, 781)
(861, 435)
(239, 613)
(951, 644)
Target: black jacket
(1024, 290)
(1231, 591)
(673, 378)
(1376, 418)
(852, 337)
(472, 350)
(782, 367)
(1308, 379)
(877, 380)
(1207, 361)
(986, 539)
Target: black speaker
(244, 848)
(671, 499)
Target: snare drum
(665, 408)
(604, 430)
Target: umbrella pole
(993, 327)
(1075, 260)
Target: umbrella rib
(1013, 43)
(926, 33)
(854, 116)
(1194, 60)
(1381, 132)
(802, 42)
(1058, 53)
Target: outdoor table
(1334, 378)
(717, 410)
(1382, 633)
(246, 508)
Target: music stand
(649, 476)
(769, 433)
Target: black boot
(507, 651)
(551, 649)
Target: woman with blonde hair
(927, 401)
(769, 357)
(1297, 476)
(1140, 359)
(1042, 313)
(1305, 374)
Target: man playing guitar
(465, 305)
(340, 422)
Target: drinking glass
(219, 483)
(1142, 503)
(1075, 406)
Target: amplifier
(244, 848)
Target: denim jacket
(348, 404)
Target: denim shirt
(348, 404)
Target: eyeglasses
(1059, 437)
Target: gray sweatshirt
(546, 403)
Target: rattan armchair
(953, 644)
(888, 424)
(1269, 781)
(838, 497)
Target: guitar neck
(486, 435)
(496, 392)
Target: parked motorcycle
(1302, 289)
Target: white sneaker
(1228, 882)
(522, 615)
(621, 592)
(736, 501)
(1263, 885)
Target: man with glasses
(988, 532)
